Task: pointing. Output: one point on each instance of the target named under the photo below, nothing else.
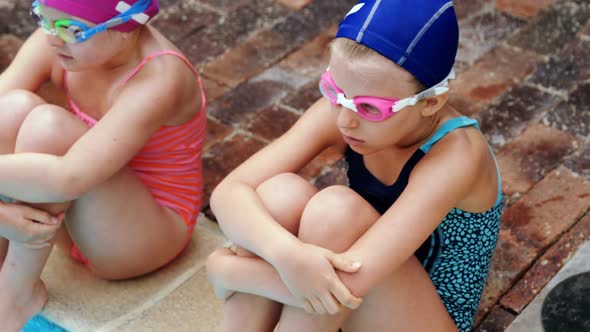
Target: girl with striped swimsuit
(121, 165)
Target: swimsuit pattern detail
(457, 254)
(169, 164)
(460, 270)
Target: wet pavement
(523, 71)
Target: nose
(346, 118)
(55, 41)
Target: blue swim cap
(422, 36)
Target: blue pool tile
(41, 324)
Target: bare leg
(23, 293)
(140, 234)
(406, 301)
(14, 108)
(285, 196)
(118, 225)
(335, 219)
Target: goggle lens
(39, 20)
(328, 91)
(62, 29)
(68, 33)
(369, 111)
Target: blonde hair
(356, 51)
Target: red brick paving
(522, 8)
(554, 205)
(497, 320)
(490, 77)
(526, 159)
(9, 45)
(546, 267)
(523, 73)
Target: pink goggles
(376, 109)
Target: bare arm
(102, 151)
(305, 270)
(240, 212)
(387, 244)
(439, 182)
(32, 66)
(251, 275)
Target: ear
(434, 104)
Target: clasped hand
(309, 274)
(31, 227)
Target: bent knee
(287, 188)
(334, 204)
(336, 212)
(214, 265)
(20, 100)
(15, 105)
(49, 129)
(285, 196)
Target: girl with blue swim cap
(121, 163)
(406, 246)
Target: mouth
(352, 141)
(62, 55)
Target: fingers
(307, 307)
(42, 216)
(344, 296)
(42, 230)
(37, 245)
(343, 263)
(318, 307)
(39, 233)
(330, 304)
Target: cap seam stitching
(359, 37)
(424, 29)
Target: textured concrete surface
(177, 296)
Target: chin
(362, 150)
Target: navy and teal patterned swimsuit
(457, 254)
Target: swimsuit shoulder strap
(453, 124)
(163, 53)
(446, 128)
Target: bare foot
(17, 309)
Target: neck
(422, 133)
(128, 54)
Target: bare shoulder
(169, 79)
(462, 161)
(28, 70)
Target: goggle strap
(436, 90)
(140, 18)
(398, 106)
(432, 92)
(348, 103)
